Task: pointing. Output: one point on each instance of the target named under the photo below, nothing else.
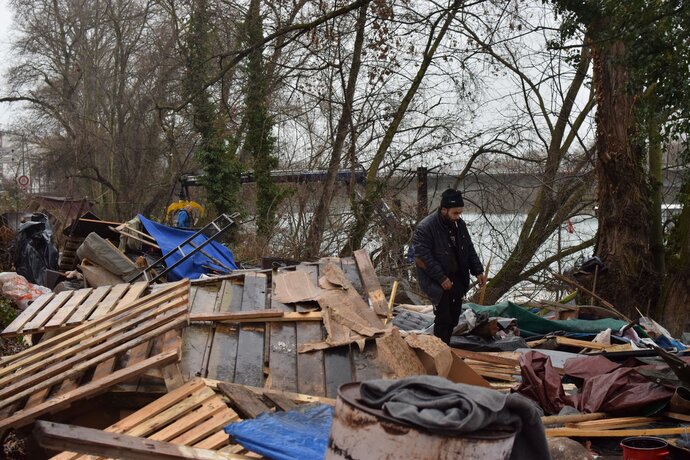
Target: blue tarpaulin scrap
(292, 435)
(168, 238)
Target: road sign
(23, 181)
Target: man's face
(451, 214)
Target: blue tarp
(168, 238)
(292, 435)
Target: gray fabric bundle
(453, 409)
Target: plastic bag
(19, 290)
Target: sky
(5, 30)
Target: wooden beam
(560, 419)
(59, 436)
(256, 316)
(613, 423)
(579, 433)
(246, 403)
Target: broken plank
(58, 436)
(246, 403)
(371, 283)
(223, 354)
(250, 347)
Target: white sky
(5, 30)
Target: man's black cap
(452, 198)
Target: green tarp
(534, 325)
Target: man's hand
(481, 279)
(447, 284)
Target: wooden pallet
(264, 353)
(90, 358)
(192, 415)
(55, 312)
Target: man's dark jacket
(432, 252)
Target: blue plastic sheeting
(168, 238)
(293, 435)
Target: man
(445, 257)
(184, 217)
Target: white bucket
(362, 433)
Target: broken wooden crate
(90, 358)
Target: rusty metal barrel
(360, 432)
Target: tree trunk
(673, 311)
(318, 223)
(623, 195)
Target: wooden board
(250, 347)
(282, 359)
(101, 443)
(310, 366)
(371, 283)
(88, 306)
(197, 337)
(223, 354)
(246, 403)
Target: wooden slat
(172, 414)
(196, 337)
(214, 442)
(158, 406)
(106, 305)
(89, 305)
(97, 442)
(193, 419)
(250, 347)
(25, 417)
(44, 315)
(613, 423)
(223, 354)
(62, 315)
(310, 367)
(265, 316)
(25, 316)
(208, 427)
(246, 403)
(577, 432)
(135, 291)
(282, 355)
(371, 282)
